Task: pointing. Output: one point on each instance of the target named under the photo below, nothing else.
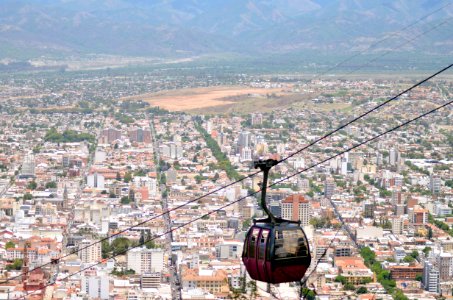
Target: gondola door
(262, 261)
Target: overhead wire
(239, 180)
(254, 193)
(282, 160)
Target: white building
(96, 287)
(96, 181)
(89, 253)
(229, 250)
(143, 260)
(430, 278)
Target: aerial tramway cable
(237, 181)
(256, 192)
(291, 155)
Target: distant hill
(171, 28)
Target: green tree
(51, 185)
(419, 277)
(362, 290)
(120, 245)
(106, 249)
(308, 294)
(32, 185)
(426, 250)
(408, 259)
(10, 244)
(341, 278)
(16, 265)
(28, 196)
(127, 177)
(125, 200)
(349, 286)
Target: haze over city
(136, 139)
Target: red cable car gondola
(275, 250)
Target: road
(174, 277)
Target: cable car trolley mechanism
(275, 250)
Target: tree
(127, 177)
(419, 277)
(362, 290)
(16, 265)
(426, 250)
(32, 185)
(349, 286)
(28, 196)
(308, 294)
(51, 185)
(430, 233)
(341, 278)
(408, 259)
(120, 245)
(125, 200)
(10, 244)
(414, 254)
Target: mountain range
(178, 28)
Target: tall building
(143, 260)
(296, 207)
(28, 167)
(110, 135)
(140, 135)
(430, 278)
(96, 286)
(329, 187)
(418, 215)
(89, 253)
(445, 266)
(96, 181)
(393, 156)
(257, 119)
(435, 184)
(244, 140)
(246, 154)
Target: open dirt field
(199, 98)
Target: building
(393, 156)
(89, 253)
(110, 135)
(150, 280)
(140, 135)
(296, 207)
(354, 269)
(229, 250)
(430, 279)
(329, 187)
(257, 119)
(445, 266)
(435, 184)
(246, 154)
(143, 260)
(405, 272)
(214, 281)
(418, 215)
(96, 180)
(28, 167)
(397, 225)
(244, 140)
(96, 286)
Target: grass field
(191, 100)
